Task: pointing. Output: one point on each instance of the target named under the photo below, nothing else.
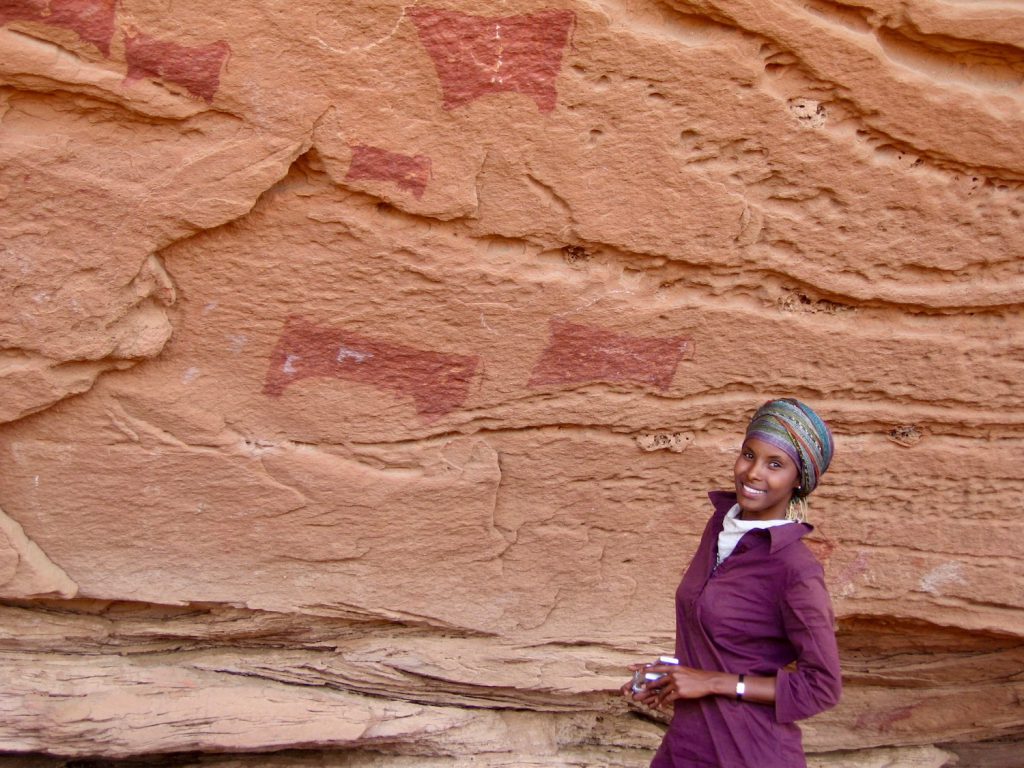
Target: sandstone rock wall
(364, 366)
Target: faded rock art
(883, 721)
(845, 584)
(581, 353)
(91, 20)
(437, 382)
(411, 173)
(194, 67)
(477, 55)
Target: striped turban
(792, 427)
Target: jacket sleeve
(816, 683)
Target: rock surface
(364, 370)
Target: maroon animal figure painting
(91, 20)
(477, 55)
(578, 354)
(411, 173)
(436, 382)
(196, 68)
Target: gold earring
(797, 510)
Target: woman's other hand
(645, 696)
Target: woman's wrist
(724, 684)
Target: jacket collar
(779, 535)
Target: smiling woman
(766, 480)
(755, 638)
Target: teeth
(752, 490)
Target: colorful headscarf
(792, 427)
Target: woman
(753, 602)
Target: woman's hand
(681, 682)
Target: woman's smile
(752, 492)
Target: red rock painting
(194, 67)
(23, 10)
(409, 172)
(437, 382)
(579, 354)
(91, 20)
(477, 55)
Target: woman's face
(765, 479)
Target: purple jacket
(764, 608)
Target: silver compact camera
(642, 676)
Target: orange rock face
(364, 368)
